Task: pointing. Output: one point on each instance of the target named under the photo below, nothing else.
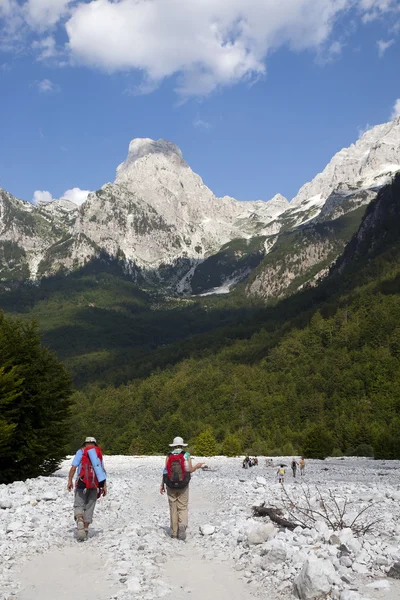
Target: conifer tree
(34, 398)
(206, 444)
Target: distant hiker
(90, 484)
(294, 466)
(302, 466)
(176, 477)
(281, 473)
(246, 462)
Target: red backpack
(87, 473)
(176, 477)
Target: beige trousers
(178, 509)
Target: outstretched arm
(193, 468)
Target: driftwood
(275, 515)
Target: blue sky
(258, 94)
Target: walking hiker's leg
(90, 503)
(183, 508)
(79, 508)
(173, 512)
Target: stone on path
(315, 579)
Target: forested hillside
(323, 364)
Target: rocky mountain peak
(369, 163)
(161, 151)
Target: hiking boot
(86, 533)
(81, 533)
(182, 533)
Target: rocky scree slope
(168, 229)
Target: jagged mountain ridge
(167, 226)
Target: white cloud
(396, 109)
(45, 47)
(41, 196)
(45, 86)
(76, 195)
(201, 124)
(43, 14)
(383, 46)
(204, 43)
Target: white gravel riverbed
(129, 555)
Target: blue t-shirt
(77, 459)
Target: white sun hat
(178, 441)
(90, 440)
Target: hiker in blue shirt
(89, 486)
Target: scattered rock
(394, 571)
(207, 529)
(260, 533)
(334, 540)
(49, 496)
(315, 579)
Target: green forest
(317, 373)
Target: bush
(318, 443)
(336, 453)
(205, 444)
(231, 446)
(361, 450)
(34, 401)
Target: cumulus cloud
(43, 14)
(76, 195)
(383, 46)
(41, 196)
(203, 43)
(396, 109)
(45, 86)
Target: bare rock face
(159, 217)
(367, 164)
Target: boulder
(350, 595)
(261, 480)
(315, 579)
(278, 552)
(207, 529)
(49, 496)
(14, 526)
(394, 571)
(133, 584)
(334, 540)
(260, 533)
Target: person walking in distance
(281, 474)
(294, 466)
(90, 484)
(302, 466)
(176, 478)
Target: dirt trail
(65, 574)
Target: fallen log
(275, 515)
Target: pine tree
(231, 445)
(34, 397)
(318, 443)
(206, 444)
